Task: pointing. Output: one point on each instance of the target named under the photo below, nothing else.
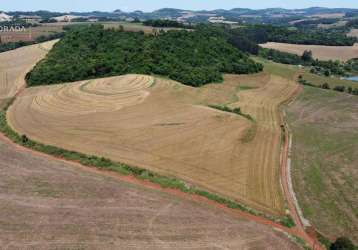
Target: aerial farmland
(179, 129)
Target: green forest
(269, 33)
(190, 57)
(164, 23)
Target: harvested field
(158, 124)
(49, 204)
(340, 23)
(30, 34)
(321, 52)
(325, 158)
(15, 64)
(127, 26)
(330, 15)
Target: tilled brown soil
(49, 204)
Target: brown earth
(342, 53)
(159, 125)
(15, 64)
(50, 204)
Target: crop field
(325, 158)
(342, 53)
(30, 34)
(166, 127)
(134, 27)
(329, 15)
(50, 204)
(15, 64)
(127, 26)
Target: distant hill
(271, 15)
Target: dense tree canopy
(191, 57)
(164, 23)
(281, 57)
(269, 33)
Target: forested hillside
(268, 33)
(191, 57)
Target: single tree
(307, 56)
(325, 86)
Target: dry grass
(49, 204)
(158, 124)
(15, 64)
(325, 159)
(127, 26)
(342, 53)
(340, 23)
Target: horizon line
(196, 10)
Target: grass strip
(236, 111)
(124, 169)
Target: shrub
(325, 86)
(342, 243)
(339, 88)
(24, 139)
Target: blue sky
(149, 5)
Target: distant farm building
(220, 20)
(66, 18)
(30, 19)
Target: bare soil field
(50, 204)
(15, 64)
(164, 126)
(30, 34)
(342, 53)
(325, 159)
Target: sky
(150, 5)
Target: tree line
(339, 88)
(268, 33)
(163, 23)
